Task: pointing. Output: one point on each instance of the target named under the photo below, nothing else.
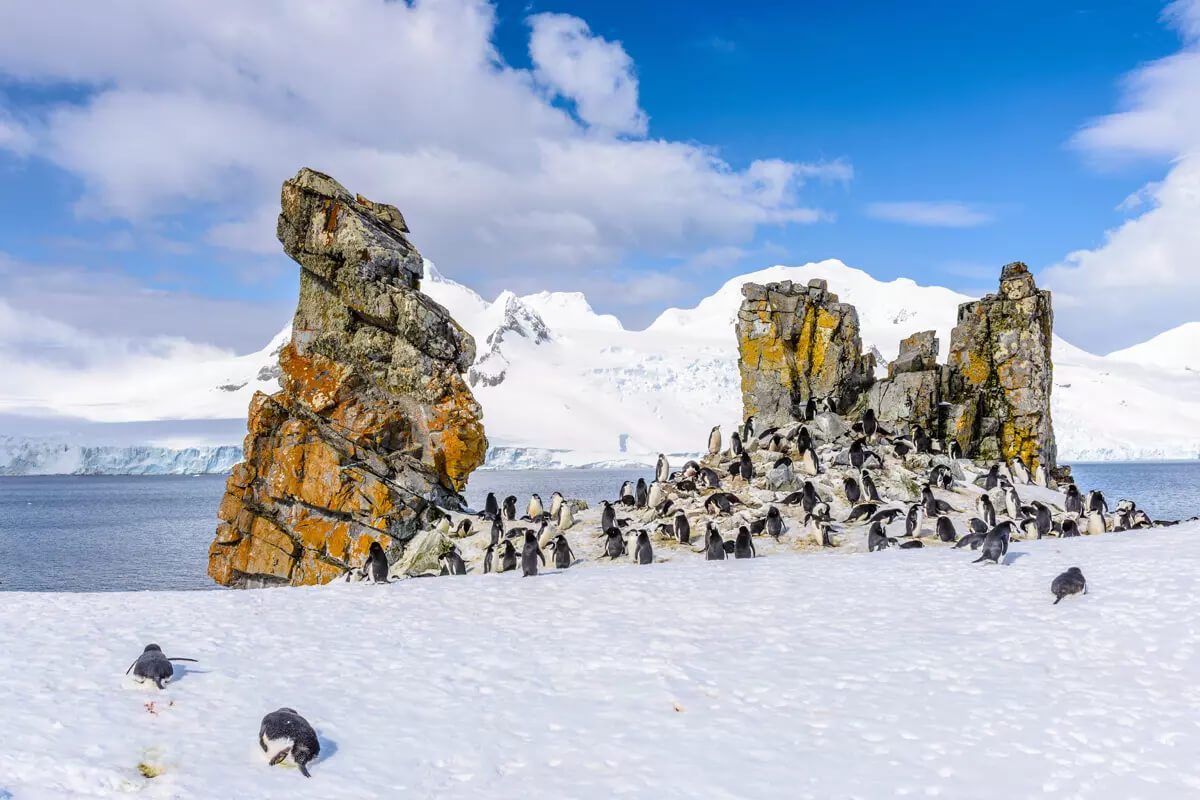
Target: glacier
(26, 456)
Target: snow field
(892, 674)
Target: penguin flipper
(280, 756)
(303, 767)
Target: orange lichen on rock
(373, 420)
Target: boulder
(795, 343)
(918, 352)
(374, 420)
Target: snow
(1176, 349)
(593, 393)
(900, 673)
(40, 456)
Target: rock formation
(797, 342)
(1002, 373)
(993, 396)
(374, 420)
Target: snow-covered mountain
(562, 386)
(37, 456)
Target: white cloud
(495, 168)
(1145, 273)
(596, 74)
(13, 136)
(932, 215)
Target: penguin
(562, 552)
(862, 511)
(887, 515)
(721, 502)
(487, 558)
(748, 429)
(955, 450)
(978, 526)
(869, 424)
(556, 504)
(566, 517)
(857, 454)
(808, 496)
(983, 504)
(735, 444)
(656, 496)
(508, 557)
(1043, 518)
(152, 665)
(1141, 520)
(945, 529)
(662, 472)
(746, 468)
(995, 544)
(642, 493)
(774, 526)
(1028, 527)
(714, 545)
(809, 463)
(1068, 583)
(289, 734)
(608, 515)
(683, 531)
(614, 544)
(545, 534)
(491, 508)
(497, 531)
(463, 530)
(821, 512)
(452, 563)
(643, 553)
(510, 508)
(902, 447)
(922, 440)
(1073, 503)
(375, 568)
(810, 410)
(972, 540)
(868, 487)
(850, 488)
(1095, 523)
(709, 478)
(912, 544)
(626, 491)
(714, 441)
(876, 538)
(820, 532)
(743, 546)
(913, 520)
(992, 480)
(1096, 501)
(1019, 471)
(1039, 476)
(1012, 503)
(933, 506)
(1070, 528)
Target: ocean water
(122, 533)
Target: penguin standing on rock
(491, 509)
(986, 510)
(714, 441)
(748, 429)
(662, 472)
(535, 510)
(642, 496)
(774, 526)
(1073, 503)
(452, 563)
(945, 530)
(510, 508)
(614, 544)
(508, 557)
(735, 444)
(868, 487)
(850, 488)
(683, 531)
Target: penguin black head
(375, 550)
(152, 648)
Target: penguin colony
(815, 484)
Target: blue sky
(930, 140)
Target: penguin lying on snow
(1068, 583)
(289, 734)
(152, 665)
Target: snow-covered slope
(561, 385)
(762, 678)
(1178, 348)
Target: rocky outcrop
(918, 353)
(1002, 376)
(794, 343)
(374, 420)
